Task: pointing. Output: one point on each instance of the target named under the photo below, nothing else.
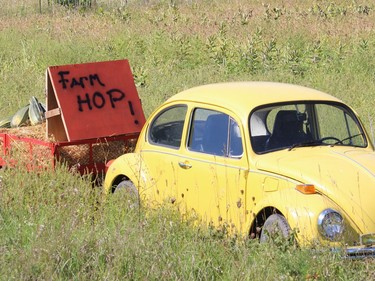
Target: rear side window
(166, 128)
(215, 133)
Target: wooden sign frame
(91, 101)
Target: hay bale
(72, 154)
(104, 151)
(36, 132)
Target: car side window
(215, 133)
(166, 128)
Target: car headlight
(331, 224)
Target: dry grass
(242, 17)
(37, 131)
(50, 225)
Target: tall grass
(173, 45)
(51, 223)
(53, 226)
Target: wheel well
(260, 219)
(117, 181)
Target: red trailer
(84, 156)
(93, 115)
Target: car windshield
(286, 126)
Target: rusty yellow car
(260, 159)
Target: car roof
(242, 97)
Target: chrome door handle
(184, 165)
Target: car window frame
(227, 155)
(155, 118)
(345, 107)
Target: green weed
(53, 225)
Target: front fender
(300, 210)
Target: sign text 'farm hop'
(92, 100)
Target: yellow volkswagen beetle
(260, 159)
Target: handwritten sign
(92, 100)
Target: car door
(160, 153)
(213, 172)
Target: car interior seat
(287, 129)
(216, 134)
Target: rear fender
(128, 166)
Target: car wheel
(275, 228)
(127, 189)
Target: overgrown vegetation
(51, 226)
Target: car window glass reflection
(215, 133)
(167, 127)
(304, 124)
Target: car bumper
(360, 252)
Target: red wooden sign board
(92, 100)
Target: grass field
(50, 224)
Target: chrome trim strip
(278, 176)
(219, 163)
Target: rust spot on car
(246, 174)
(239, 204)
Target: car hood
(345, 175)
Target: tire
(275, 227)
(127, 189)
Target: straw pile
(72, 155)
(35, 132)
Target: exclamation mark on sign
(132, 111)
